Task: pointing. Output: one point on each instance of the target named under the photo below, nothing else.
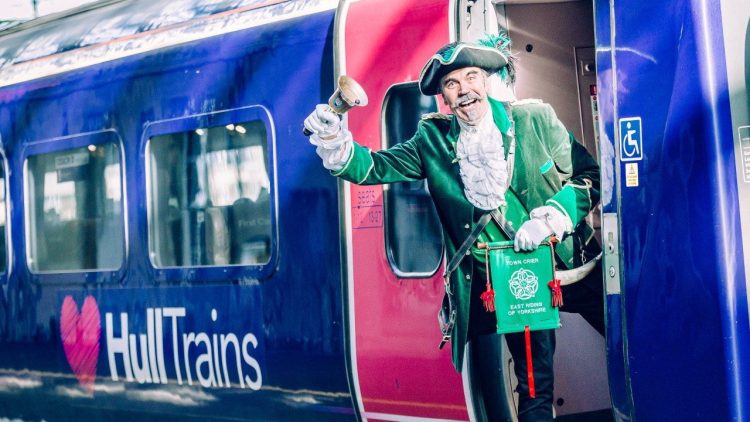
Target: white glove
(531, 234)
(334, 143)
(545, 221)
(323, 122)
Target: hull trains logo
(79, 332)
(210, 360)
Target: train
(173, 249)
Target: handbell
(348, 94)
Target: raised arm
(355, 163)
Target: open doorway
(554, 44)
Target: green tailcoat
(551, 168)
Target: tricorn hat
(491, 53)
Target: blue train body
(682, 309)
(290, 306)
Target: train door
(394, 245)
(393, 242)
(674, 120)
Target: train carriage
(173, 248)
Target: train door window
(74, 209)
(413, 236)
(209, 196)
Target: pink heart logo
(80, 334)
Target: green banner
(521, 280)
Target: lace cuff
(335, 151)
(335, 159)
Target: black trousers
(486, 370)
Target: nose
(463, 87)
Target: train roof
(112, 29)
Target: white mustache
(466, 98)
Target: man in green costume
(486, 155)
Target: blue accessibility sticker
(631, 139)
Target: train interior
(554, 46)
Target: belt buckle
(446, 338)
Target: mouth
(468, 103)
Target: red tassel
(557, 298)
(529, 365)
(488, 298)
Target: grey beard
(472, 115)
(468, 97)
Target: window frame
(59, 144)
(386, 143)
(205, 120)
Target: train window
(411, 222)
(74, 209)
(209, 196)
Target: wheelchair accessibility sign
(631, 140)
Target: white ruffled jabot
(483, 168)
